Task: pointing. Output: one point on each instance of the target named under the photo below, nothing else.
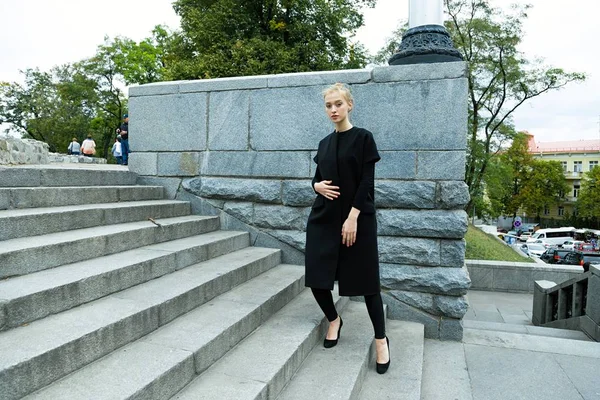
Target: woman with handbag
(88, 147)
(341, 234)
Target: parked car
(583, 246)
(524, 236)
(570, 244)
(533, 249)
(554, 256)
(581, 258)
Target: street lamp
(426, 40)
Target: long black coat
(356, 268)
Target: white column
(425, 12)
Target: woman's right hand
(325, 189)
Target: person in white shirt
(117, 150)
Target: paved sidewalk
(510, 308)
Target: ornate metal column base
(426, 44)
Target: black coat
(350, 164)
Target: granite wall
(242, 148)
(22, 151)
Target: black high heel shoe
(382, 368)
(327, 343)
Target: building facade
(577, 157)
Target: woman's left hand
(349, 232)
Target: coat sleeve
(367, 179)
(317, 177)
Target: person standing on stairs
(341, 233)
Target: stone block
(593, 298)
(402, 311)
(272, 110)
(451, 306)
(539, 301)
(444, 306)
(419, 72)
(199, 205)
(179, 164)
(154, 89)
(481, 278)
(514, 280)
(218, 84)
(228, 120)
(452, 253)
(262, 191)
(144, 163)
(5, 198)
(348, 76)
(297, 193)
(296, 239)
(424, 223)
(448, 165)
(405, 194)
(451, 329)
(280, 217)
(405, 250)
(280, 164)
(452, 194)
(168, 123)
(244, 211)
(414, 115)
(436, 280)
(170, 185)
(20, 177)
(396, 165)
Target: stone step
(30, 297)
(543, 344)
(65, 175)
(403, 378)
(263, 363)
(336, 373)
(26, 255)
(158, 365)
(41, 221)
(38, 354)
(31, 197)
(526, 329)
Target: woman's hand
(325, 189)
(349, 231)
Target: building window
(564, 165)
(576, 190)
(593, 164)
(577, 166)
(561, 211)
(546, 210)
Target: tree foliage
(220, 38)
(516, 181)
(500, 78)
(588, 201)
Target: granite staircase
(109, 291)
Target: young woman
(341, 234)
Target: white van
(555, 236)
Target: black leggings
(374, 307)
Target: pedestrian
(116, 150)
(88, 147)
(341, 234)
(74, 147)
(124, 132)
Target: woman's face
(336, 106)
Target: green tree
(543, 188)
(222, 38)
(500, 78)
(588, 201)
(52, 106)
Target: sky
(45, 33)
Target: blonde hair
(343, 89)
